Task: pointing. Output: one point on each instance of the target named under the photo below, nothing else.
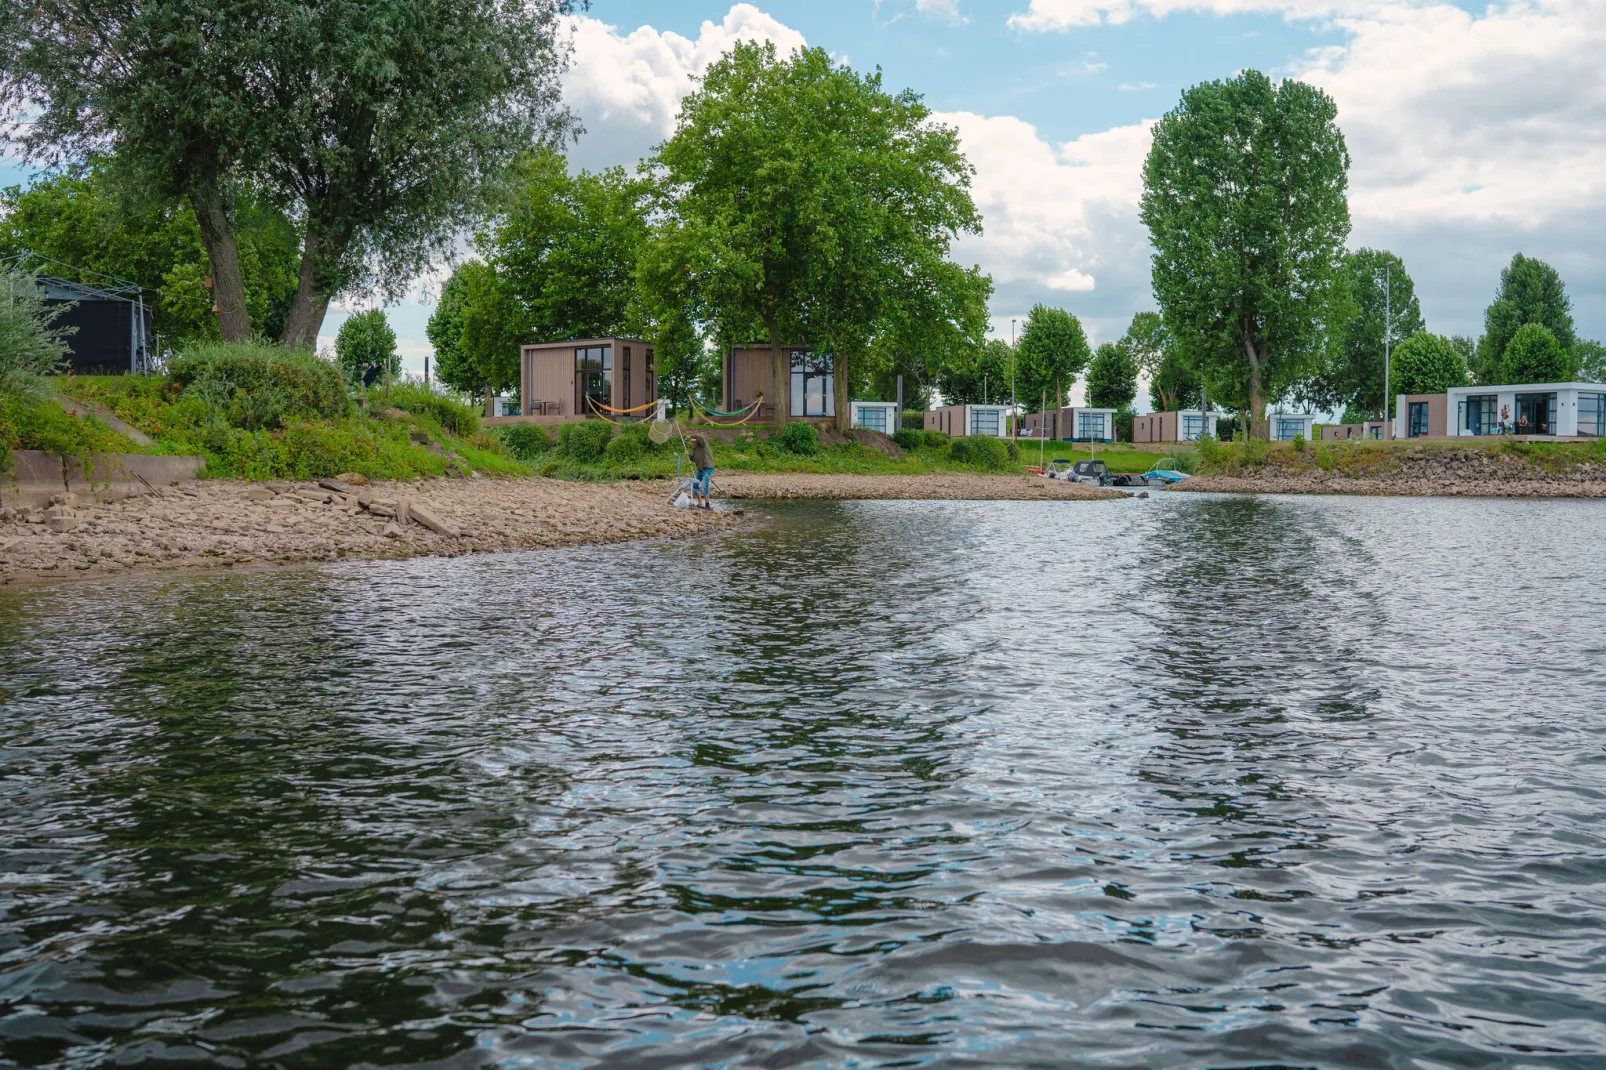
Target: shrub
(1210, 451)
(631, 444)
(980, 451)
(801, 438)
(746, 442)
(1186, 460)
(524, 442)
(256, 385)
(1324, 459)
(366, 341)
(30, 344)
(935, 440)
(1013, 451)
(454, 415)
(909, 438)
(1299, 443)
(1534, 356)
(584, 442)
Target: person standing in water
(702, 460)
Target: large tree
(1384, 310)
(1531, 291)
(1052, 352)
(1112, 378)
(1173, 382)
(89, 220)
(476, 331)
(1244, 198)
(378, 123)
(799, 195)
(1535, 355)
(979, 375)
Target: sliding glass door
(593, 378)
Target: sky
(1476, 130)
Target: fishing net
(662, 431)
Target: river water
(1187, 782)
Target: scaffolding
(65, 283)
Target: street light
(1386, 278)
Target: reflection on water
(1184, 782)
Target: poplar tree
(1052, 351)
(1244, 198)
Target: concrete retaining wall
(105, 477)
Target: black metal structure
(113, 334)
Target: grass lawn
(1122, 461)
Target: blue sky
(1477, 130)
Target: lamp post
(1014, 415)
(1387, 279)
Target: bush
(1013, 451)
(935, 440)
(631, 444)
(909, 438)
(455, 416)
(584, 442)
(524, 442)
(255, 385)
(1534, 356)
(1299, 443)
(1324, 458)
(801, 438)
(980, 451)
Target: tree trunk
(490, 399)
(844, 408)
(307, 312)
(217, 235)
(780, 371)
(1059, 393)
(1257, 393)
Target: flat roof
(1530, 388)
(577, 342)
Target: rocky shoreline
(1420, 472)
(210, 524)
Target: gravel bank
(751, 486)
(1416, 472)
(217, 523)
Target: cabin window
(1192, 428)
(871, 418)
(1286, 427)
(1535, 415)
(1592, 415)
(1090, 425)
(1417, 425)
(593, 378)
(1481, 414)
(984, 421)
(813, 393)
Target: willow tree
(1244, 198)
(798, 194)
(380, 122)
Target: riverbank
(225, 523)
(1483, 470)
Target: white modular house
(1285, 425)
(874, 416)
(1562, 410)
(989, 420)
(1090, 425)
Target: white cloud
(627, 87)
(942, 9)
(1045, 16)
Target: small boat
(1164, 473)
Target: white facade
(1563, 410)
(874, 416)
(1285, 425)
(1091, 425)
(1190, 423)
(989, 420)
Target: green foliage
(1534, 355)
(1112, 378)
(1299, 443)
(1244, 198)
(1052, 352)
(31, 345)
(366, 341)
(1426, 364)
(935, 440)
(981, 451)
(1355, 374)
(29, 421)
(1530, 292)
(1589, 361)
(909, 438)
(1173, 381)
(91, 219)
(1125, 417)
(978, 376)
(450, 413)
(525, 442)
(477, 329)
(797, 195)
(1324, 458)
(585, 441)
(801, 438)
(258, 386)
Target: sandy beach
(211, 524)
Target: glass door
(812, 388)
(593, 378)
(1536, 414)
